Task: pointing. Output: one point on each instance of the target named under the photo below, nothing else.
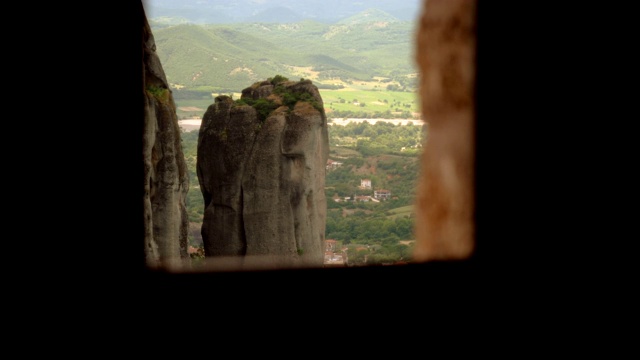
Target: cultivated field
(369, 101)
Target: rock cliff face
(166, 181)
(262, 174)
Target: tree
(357, 255)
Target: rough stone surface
(166, 180)
(263, 181)
(445, 54)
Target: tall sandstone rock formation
(166, 180)
(262, 176)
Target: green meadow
(400, 212)
(369, 101)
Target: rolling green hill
(227, 57)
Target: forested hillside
(385, 154)
(372, 47)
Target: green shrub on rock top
(277, 80)
(160, 93)
(264, 107)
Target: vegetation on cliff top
(289, 98)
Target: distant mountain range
(274, 11)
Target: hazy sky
(276, 10)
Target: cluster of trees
(359, 255)
(329, 86)
(362, 114)
(368, 227)
(370, 232)
(379, 138)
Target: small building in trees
(382, 194)
(332, 165)
(331, 259)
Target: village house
(382, 194)
(332, 165)
(331, 259)
(365, 183)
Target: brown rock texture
(445, 55)
(166, 181)
(263, 179)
